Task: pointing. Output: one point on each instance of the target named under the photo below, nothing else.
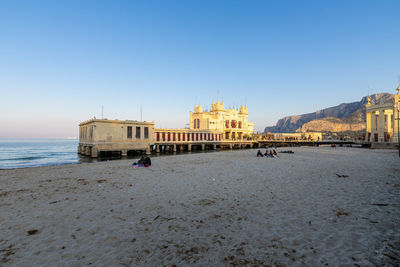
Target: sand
(221, 208)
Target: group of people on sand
(268, 153)
(144, 161)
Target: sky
(61, 61)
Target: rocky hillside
(341, 118)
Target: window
(158, 136)
(198, 123)
(146, 132)
(129, 129)
(240, 124)
(138, 132)
(183, 136)
(227, 124)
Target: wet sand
(318, 206)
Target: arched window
(233, 123)
(198, 123)
(227, 124)
(240, 125)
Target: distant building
(308, 136)
(233, 124)
(214, 127)
(382, 122)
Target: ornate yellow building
(233, 124)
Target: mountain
(341, 118)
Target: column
(368, 126)
(389, 122)
(94, 152)
(189, 147)
(373, 126)
(214, 146)
(157, 149)
(381, 126)
(124, 152)
(203, 146)
(396, 123)
(148, 150)
(87, 151)
(174, 148)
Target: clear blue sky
(61, 60)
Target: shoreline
(85, 159)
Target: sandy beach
(318, 206)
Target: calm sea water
(21, 153)
(18, 153)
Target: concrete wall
(112, 135)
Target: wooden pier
(165, 146)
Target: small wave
(23, 158)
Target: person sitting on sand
(147, 161)
(141, 162)
(274, 152)
(271, 154)
(266, 153)
(259, 154)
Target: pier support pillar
(174, 148)
(157, 149)
(87, 151)
(148, 151)
(381, 126)
(189, 147)
(124, 152)
(203, 147)
(94, 152)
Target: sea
(20, 153)
(23, 153)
